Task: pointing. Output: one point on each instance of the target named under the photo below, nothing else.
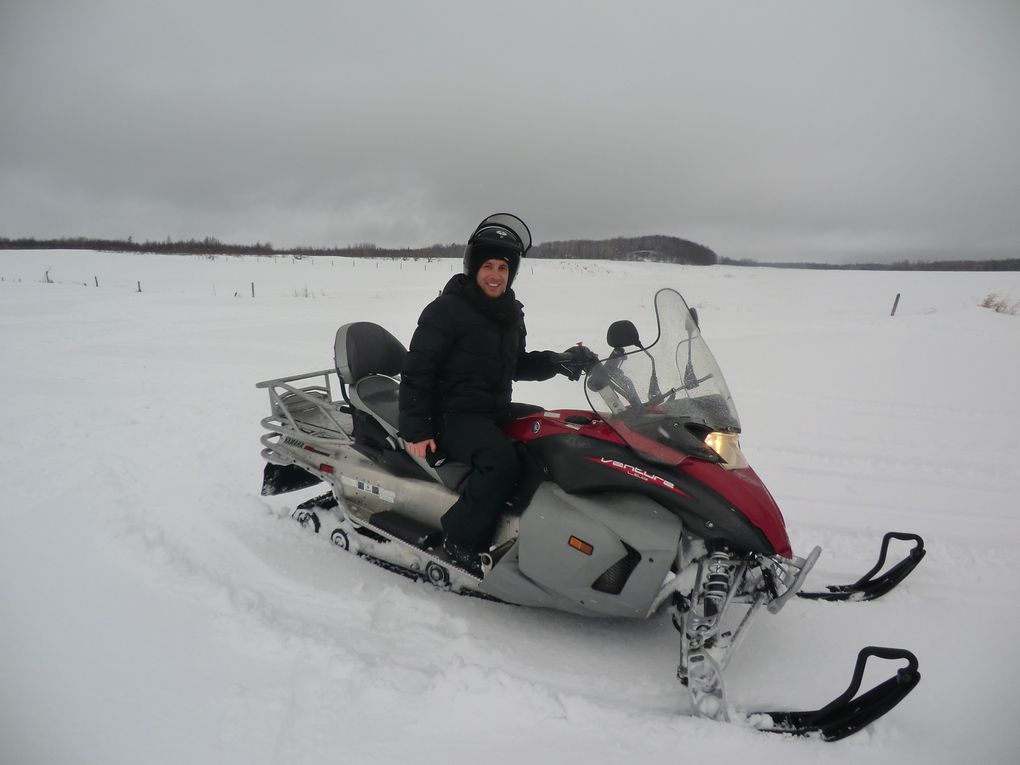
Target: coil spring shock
(719, 569)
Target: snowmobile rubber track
(419, 576)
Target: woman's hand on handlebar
(420, 449)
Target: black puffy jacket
(464, 355)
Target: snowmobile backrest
(367, 358)
(363, 348)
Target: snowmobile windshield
(665, 398)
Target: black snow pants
(477, 441)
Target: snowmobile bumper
(799, 568)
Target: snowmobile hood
(743, 489)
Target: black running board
(415, 533)
(396, 527)
(845, 714)
(869, 587)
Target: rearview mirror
(622, 333)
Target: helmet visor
(511, 222)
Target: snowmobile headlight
(727, 446)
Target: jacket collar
(504, 310)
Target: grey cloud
(759, 129)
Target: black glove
(573, 361)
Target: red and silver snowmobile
(642, 502)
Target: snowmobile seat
(368, 360)
(363, 348)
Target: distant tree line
(660, 249)
(665, 249)
(208, 246)
(371, 251)
(1001, 264)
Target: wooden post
(253, 289)
(139, 286)
(97, 280)
(896, 302)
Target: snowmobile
(642, 502)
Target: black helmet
(499, 237)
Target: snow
(155, 608)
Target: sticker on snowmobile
(371, 488)
(636, 472)
(302, 445)
(553, 415)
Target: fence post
(139, 286)
(97, 280)
(896, 302)
(253, 289)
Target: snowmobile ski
(848, 713)
(869, 587)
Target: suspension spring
(719, 569)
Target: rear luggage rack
(309, 412)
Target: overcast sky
(772, 130)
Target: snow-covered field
(154, 608)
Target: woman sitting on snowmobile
(456, 383)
